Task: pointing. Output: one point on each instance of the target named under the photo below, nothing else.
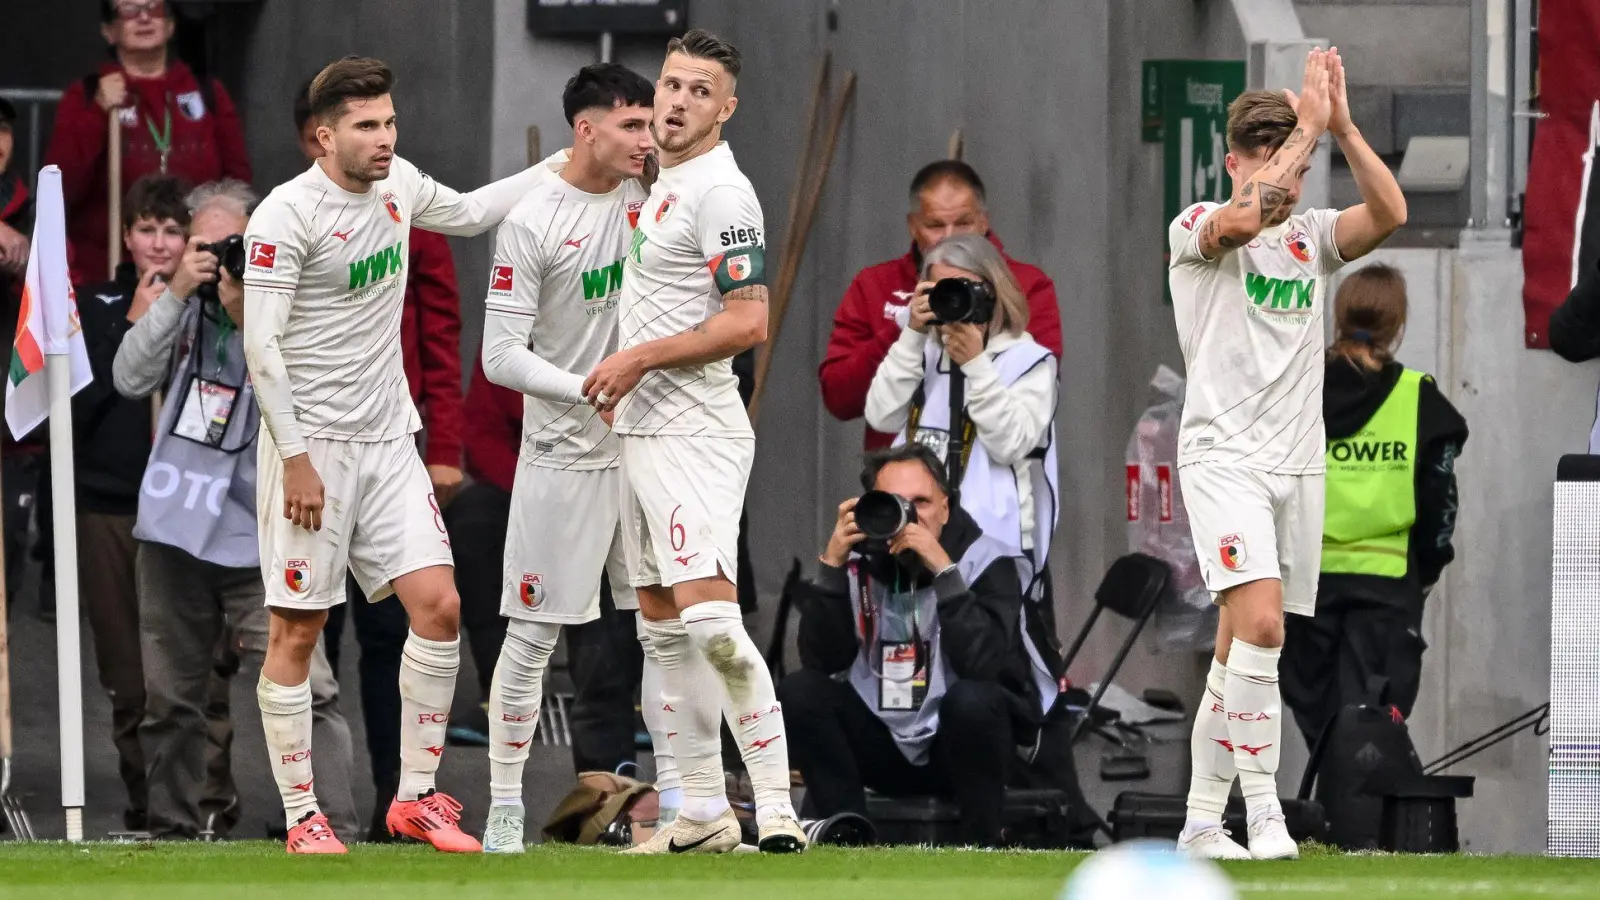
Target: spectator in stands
(1009, 463)
(1393, 440)
(20, 461)
(913, 679)
(171, 123)
(430, 347)
(1575, 329)
(199, 573)
(111, 436)
(604, 656)
(946, 198)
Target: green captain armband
(739, 267)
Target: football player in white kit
(1249, 284)
(340, 482)
(693, 296)
(551, 317)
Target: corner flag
(48, 321)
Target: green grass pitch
(237, 871)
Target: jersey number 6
(676, 530)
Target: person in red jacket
(946, 198)
(171, 123)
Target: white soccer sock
(717, 628)
(427, 685)
(515, 698)
(1255, 722)
(286, 721)
(693, 722)
(669, 785)
(1212, 769)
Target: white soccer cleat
(503, 834)
(685, 835)
(1211, 842)
(782, 834)
(1269, 838)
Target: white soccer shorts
(682, 498)
(564, 532)
(379, 519)
(1249, 525)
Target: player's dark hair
(1260, 120)
(911, 451)
(302, 106)
(343, 80)
(108, 10)
(1369, 316)
(946, 170)
(158, 197)
(702, 44)
(607, 86)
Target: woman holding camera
(966, 337)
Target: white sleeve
(1322, 222)
(895, 383)
(511, 309)
(275, 245)
(447, 211)
(1183, 236)
(1011, 419)
(732, 235)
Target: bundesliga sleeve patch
(263, 256)
(740, 267)
(500, 280)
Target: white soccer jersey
(700, 235)
(340, 259)
(1250, 325)
(558, 272)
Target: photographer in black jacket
(915, 677)
(1575, 329)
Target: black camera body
(230, 258)
(881, 515)
(954, 300)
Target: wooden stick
(804, 164)
(533, 144)
(790, 272)
(114, 191)
(957, 145)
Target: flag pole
(69, 650)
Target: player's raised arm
(448, 211)
(274, 248)
(1382, 210)
(510, 311)
(1275, 185)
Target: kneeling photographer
(198, 567)
(967, 380)
(914, 679)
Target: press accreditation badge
(935, 439)
(206, 411)
(904, 684)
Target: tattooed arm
(742, 324)
(1268, 191)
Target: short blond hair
(1260, 120)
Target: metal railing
(32, 102)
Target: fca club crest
(532, 593)
(666, 207)
(392, 203)
(633, 213)
(1231, 549)
(297, 575)
(1300, 247)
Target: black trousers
(841, 747)
(603, 657)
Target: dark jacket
(1575, 325)
(110, 433)
(864, 328)
(1350, 398)
(979, 632)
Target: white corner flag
(49, 364)
(48, 322)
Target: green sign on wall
(1185, 109)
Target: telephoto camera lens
(955, 300)
(880, 515)
(846, 829)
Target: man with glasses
(171, 122)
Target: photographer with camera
(966, 380)
(199, 575)
(916, 676)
